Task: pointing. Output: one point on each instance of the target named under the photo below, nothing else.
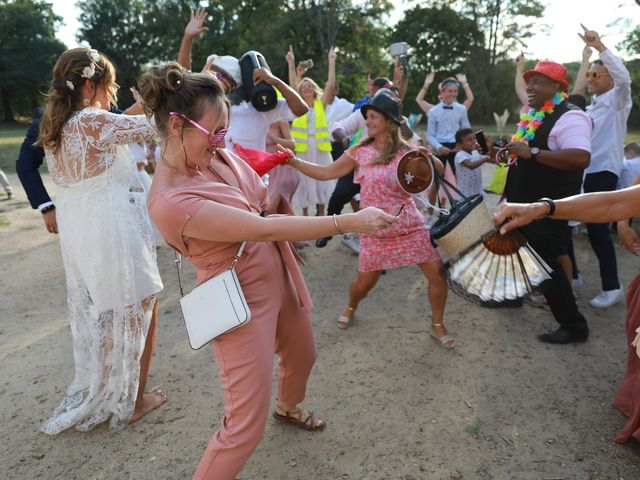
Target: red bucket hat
(552, 70)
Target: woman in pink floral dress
(406, 242)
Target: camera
(401, 51)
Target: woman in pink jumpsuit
(205, 201)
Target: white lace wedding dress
(110, 263)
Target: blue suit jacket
(31, 158)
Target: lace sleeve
(107, 129)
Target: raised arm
(580, 86)
(136, 108)
(295, 101)
(462, 78)
(615, 67)
(329, 94)
(400, 79)
(519, 84)
(194, 28)
(422, 103)
(621, 78)
(291, 68)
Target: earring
(86, 102)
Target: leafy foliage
(28, 51)
(134, 33)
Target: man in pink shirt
(550, 166)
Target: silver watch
(534, 152)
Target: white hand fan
(481, 264)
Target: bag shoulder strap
(178, 260)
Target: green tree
(441, 41)
(28, 51)
(134, 33)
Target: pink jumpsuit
(280, 315)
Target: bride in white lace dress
(107, 245)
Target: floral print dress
(407, 241)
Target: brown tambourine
(415, 171)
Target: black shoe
(564, 336)
(322, 242)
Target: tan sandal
(343, 320)
(311, 422)
(445, 341)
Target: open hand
(196, 24)
(461, 77)
(428, 80)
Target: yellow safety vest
(300, 133)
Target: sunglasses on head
(595, 75)
(214, 137)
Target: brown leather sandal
(309, 423)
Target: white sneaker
(607, 298)
(352, 242)
(536, 300)
(577, 283)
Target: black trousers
(343, 193)
(546, 237)
(449, 157)
(345, 189)
(599, 233)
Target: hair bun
(159, 81)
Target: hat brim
(529, 73)
(364, 108)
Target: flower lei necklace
(528, 125)
(531, 121)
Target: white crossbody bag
(214, 307)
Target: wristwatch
(534, 153)
(550, 204)
(48, 208)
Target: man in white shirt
(610, 83)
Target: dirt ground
(500, 406)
